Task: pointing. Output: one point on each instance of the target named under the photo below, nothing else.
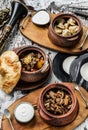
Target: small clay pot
(58, 120)
(65, 41)
(36, 75)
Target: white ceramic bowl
(24, 112)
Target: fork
(77, 88)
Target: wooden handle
(4, 35)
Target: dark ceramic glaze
(36, 75)
(75, 71)
(55, 119)
(69, 41)
(58, 68)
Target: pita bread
(10, 71)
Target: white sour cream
(41, 18)
(24, 112)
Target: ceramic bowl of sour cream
(41, 18)
(24, 112)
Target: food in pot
(57, 101)
(32, 61)
(66, 27)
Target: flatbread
(10, 71)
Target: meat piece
(66, 100)
(57, 102)
(52, 94)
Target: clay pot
(65, 41)
(58, 120)
(36, 75)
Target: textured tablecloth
(16, 40)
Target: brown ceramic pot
(58, 120)
(36, 75)
(68, 41)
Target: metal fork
(77, 88)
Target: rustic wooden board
(40, 36)
(37, 123)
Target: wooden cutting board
(39, 35)
(37, 123)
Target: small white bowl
(41, 18)
(24, 112)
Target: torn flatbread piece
(10, 71)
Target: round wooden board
(39, 35)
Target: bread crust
(10, 71)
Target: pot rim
(30, 48)
(66, 15)
(53, 85)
